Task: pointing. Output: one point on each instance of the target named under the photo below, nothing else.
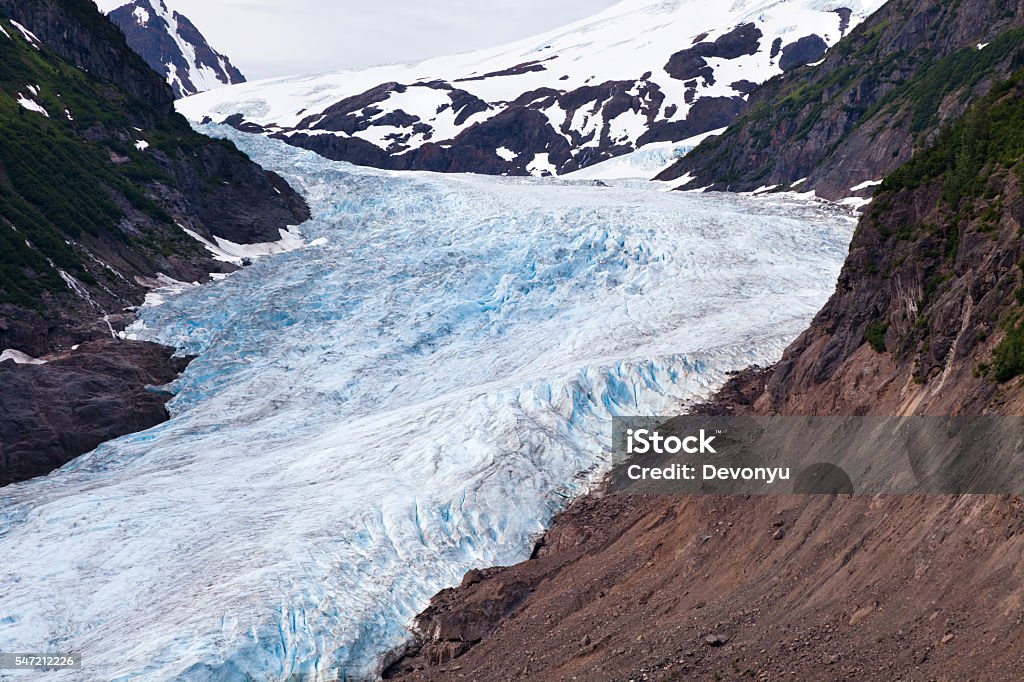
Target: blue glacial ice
(414, 394)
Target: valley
(312, 378)
(436, 367)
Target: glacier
(644, 162)
(413, 393)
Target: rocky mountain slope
(927, 319)
(879, 96)
(643, 71)
(99, 181)
(99, 174)
(173, 46)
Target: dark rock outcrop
(692, 63)
(527, 67)
(707, 113)
(234, 198)
(879, 94)
(52, 413)
(845, 14)
(804, 51)
(353, 113)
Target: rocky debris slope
(641, 72)
(876, 98)
(51, 413)
(733, 588)
(927, 319)
(173, 46)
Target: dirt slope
(809, 588)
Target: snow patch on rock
(32, 105)
(19, 358)
(27, 34)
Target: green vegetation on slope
(97, 173)
(988, 139)
(973, 162)
(55, 184)
(75, 172)
(922, 96)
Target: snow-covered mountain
(174, 47)
(641, 72)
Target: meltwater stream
(412, 395)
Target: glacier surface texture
(414, 393)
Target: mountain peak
(173, 46)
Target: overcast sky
(267, 38)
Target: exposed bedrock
(52, 413)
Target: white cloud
(267, 38)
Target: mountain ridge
(79, 33)
(641, 72)
(173, 46)
(99, 174)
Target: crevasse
(412, 395)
